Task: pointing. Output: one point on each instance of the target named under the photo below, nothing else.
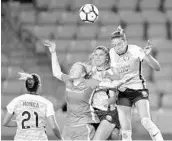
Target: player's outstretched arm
(54, 126)
(55, 63)
(151, 61)
(8, 122)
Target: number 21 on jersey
(28, 114)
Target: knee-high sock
(126, 135)
(152, 129)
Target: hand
(147, 50)
(107, 75)
(51, 46)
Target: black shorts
(130, 96)
(111, 116)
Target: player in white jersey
(32, 112)
(103, 101)
(126, 60)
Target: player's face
(100, 57)
(76, 71)
(119, 45)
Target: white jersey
(100, 96)
(128, 65)
(31, 112)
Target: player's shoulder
(44, 100)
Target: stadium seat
(4, 59)
(169, 15)
(165, 58)
(27, 17)
(138, 42)
(4, 72)
(164, 120)
(153, 98)
(58, 4)
(13, 87)
(6, 99)
(40, 47)
(63, 45)
(44, 31)
(13, 72)
(164, 86)
(83, 46)
(66, 32)
(131, 17)
(77, 57)
(150, 4)
(70, 18)
(167, 101)
(154, 33)
(87, 32)
(16, 60)
(49, 17)
(168, 4)
(28, 27)
(134, 31)
(162, 45)
(154, 16)
(127, 5)
(112, 18)
(104, 4)
(100, 43)
(106, 31)
(164, 74)
(42, 3)
(77, 4)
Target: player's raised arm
(55, 63)
(7, 119)
(151, 61)
(52, 120)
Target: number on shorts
(28, 118)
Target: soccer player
(126, 60)
(32, 112)
(80, 116)
(103, 100)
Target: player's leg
(104, 130)
(144, 113)
(84, 132)
(124, 111)
(115, 135)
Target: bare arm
(53, 123)
(149, 59)
(7, 120)
(55, 63)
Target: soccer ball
(89, 13)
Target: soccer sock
(152, 129)
(126, 135)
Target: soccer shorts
(80, 132)
(130, 96)
(111, 116)
(30, 135)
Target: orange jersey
(79, 110)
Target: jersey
(128, 65)
(31, 112)
(101, 95)
(79, 110)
